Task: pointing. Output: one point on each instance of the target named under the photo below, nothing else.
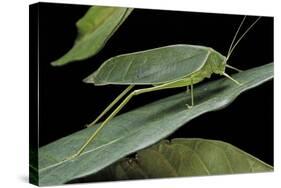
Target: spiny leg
(123, 103)
(121, 95)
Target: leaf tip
(55, 63)
(58, 62)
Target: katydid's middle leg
(192, 96)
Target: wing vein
(128, 68)
(110, 71)
(177, 62)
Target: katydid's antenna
(235, 36)
(230, 52)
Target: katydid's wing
(152, 66)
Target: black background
(67, 104)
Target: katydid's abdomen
(158, 66)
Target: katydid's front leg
(233, 68)
(232, 79)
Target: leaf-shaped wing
(152, 66)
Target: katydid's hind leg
(120, 96)
(121, 105)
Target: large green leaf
(182, 157)
(94, 30)
(139, 128)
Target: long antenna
(242, 37)
(235, 36)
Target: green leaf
(179, 158)
(142, 127)
(94, 30)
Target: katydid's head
(218, 64)
(217, 61)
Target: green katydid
(166, 67)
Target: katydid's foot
(189, 106)
(90, 125)
(72, 156)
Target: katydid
(166, 67)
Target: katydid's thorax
(215, 64)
